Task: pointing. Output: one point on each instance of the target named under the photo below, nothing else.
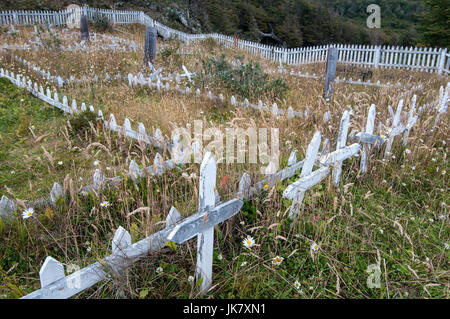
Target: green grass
(401, 224)
(27, 126)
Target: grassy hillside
(297, 23)
(395, 217)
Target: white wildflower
(28, 213)
(105, 204)
(277, 260)
(248, 242)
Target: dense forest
(290, 23)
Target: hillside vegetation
(294, 22)
(395, 217)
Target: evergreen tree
(435, 27)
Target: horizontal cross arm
(199, 222)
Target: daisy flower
(96, 163)
(446, 246)
(248, 242)
(314, 247)
(220, 257)
(297, 285)
(159, 270)
(60, 163)
(407, 151)
(244, 264)
(277, 260)
(105, 204)
(28, 213)
(191, 278)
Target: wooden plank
(341, 142)
(205, 239)
(150, 44)
(370, 124)
(311, 154)
(332, 58)
(306, 182)
(205, 220)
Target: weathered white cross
(54, 284)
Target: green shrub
(246, 80)
(169, 54)
(101, 23)
(209, 43)
(80, 122)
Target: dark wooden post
(332, 58)
(84, 28)
(150, 44)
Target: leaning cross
(203, 225)
(396, 128)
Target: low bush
(245, 80)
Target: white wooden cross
(205, 239)
(187, 73)
(295, 191)
(341, 143)
(54, 284)
(412, 118)
(367, 138)
(442, 103)
(203, 228)
(396, 128)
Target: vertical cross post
(205, 239)
(395, 129)
(311, 154)
(341, 142)
(369, 130)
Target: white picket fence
(417, 58)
